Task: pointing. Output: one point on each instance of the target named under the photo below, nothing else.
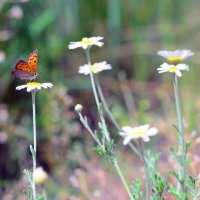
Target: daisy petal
(178, 73)
(95, 68)
(146, 139)
(86, 42)
(176, 56)
(173, 68)
(144, 132)
(34, 86)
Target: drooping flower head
(143, 132)
(86, 42)
(34, 86)
(173, 68)
(176, 56)
(95, 68)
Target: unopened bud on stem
(78, 108)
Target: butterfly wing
(23, 75)
(23, 71)
(32, 62)
(26, 70)
(22, 65)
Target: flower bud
(78, 108)
(39, 175)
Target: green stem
(34, 142)
(44, 194)
(141, 144)
(34, 121)
(84, 122)
(96, 96)
(92, 78)
(116, 165)
(109, 113)
(106, 105)
(134, 149)
(182, 171)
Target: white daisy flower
(39, 175)
(175, 56)
(95, 68)
(142, 132)
(86, 42)
(34, 86)
(172, 68)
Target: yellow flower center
(86, 42)
(95, 68)
(175, 59)
(139, 133)
(173, 68)
(33, 84)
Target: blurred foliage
(134, 31)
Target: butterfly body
(26, 70)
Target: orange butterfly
(26, 70)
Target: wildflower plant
(135, 137)
(105, 145)
(175, 57)
(155, 185)
(33, 87)
(28, 70)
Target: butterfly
(26, 69)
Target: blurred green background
(133, 31)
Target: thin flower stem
(84, 122)
(139, 150)
(106, 105)
(127, 95)
(34, 142)
(96, 96)
(44, 194)
(116, 165)
(181, 142)
(92, 78)
(34, 121)
(109, 113)
(134, 149)
(141, 144)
